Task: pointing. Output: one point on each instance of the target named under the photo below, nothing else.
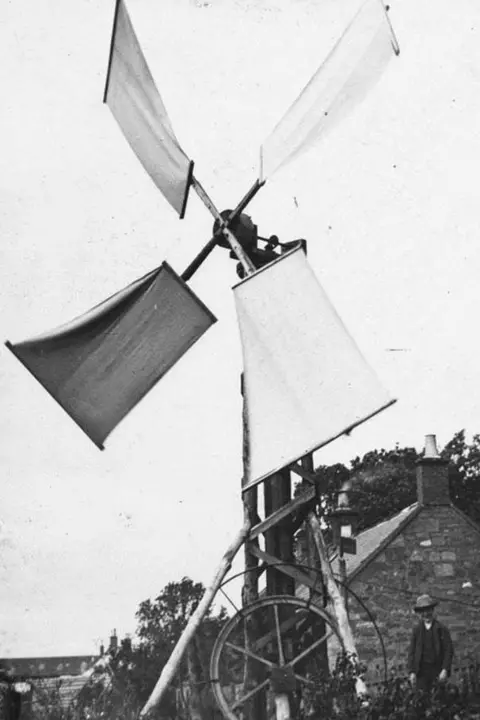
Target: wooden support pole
(279, 542)
(250, 586)
(282, 707)
(252, 674)
(278, 515)
(278, 539)
(342, 565)
(250, 513)
(307, 466)
(298, 576)
(337, 599)
(195, 679)
(305, 471)
(194, 621)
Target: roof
(371, 542)
(55, 680)
(470, 521)
(51, 667)
(57, 691)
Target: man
(431, 651)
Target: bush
(334, 698)
(328, 698)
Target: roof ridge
(408, 508)
(387, 530)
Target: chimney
(342, 499)
(113, 647)
(432, 476)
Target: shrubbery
(335, 699)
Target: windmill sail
(355, 64)
(305, 380)
(135, 102)
(99, 366)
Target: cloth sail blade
(133, 98)
(305, 380)
(342, 81)
(100, 365)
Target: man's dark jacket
(442, 643)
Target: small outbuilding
(36, 685)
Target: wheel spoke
(279, 637)
(264, 636)
(249, 653)
(304, 680)
(310, 649)
(250, 694)
(286, 625)
(229, 600)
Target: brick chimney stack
(113, 647)
(432, 476)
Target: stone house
(431, 547)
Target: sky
(388, 204)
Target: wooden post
(279, 539)
(316, 576)
(250, 582)
(279, 542)
(195, 680)
(194, 621)
(337, 599)
(342, 566)
(250, 513)
(282, 708)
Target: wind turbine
(305, 381)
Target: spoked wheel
(277, 644)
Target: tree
(383, 482)
(135, 667)
(168, 614)
(464, 473)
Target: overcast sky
(389, 206)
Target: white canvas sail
(305, 380)
(341, 82)
(136, 104)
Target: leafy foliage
(168, 614)
(335, 699)
(135, 667)
(464, 473)
(383, 482)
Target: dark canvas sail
(99, 366)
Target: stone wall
(439, 553)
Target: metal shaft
(247, 264)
